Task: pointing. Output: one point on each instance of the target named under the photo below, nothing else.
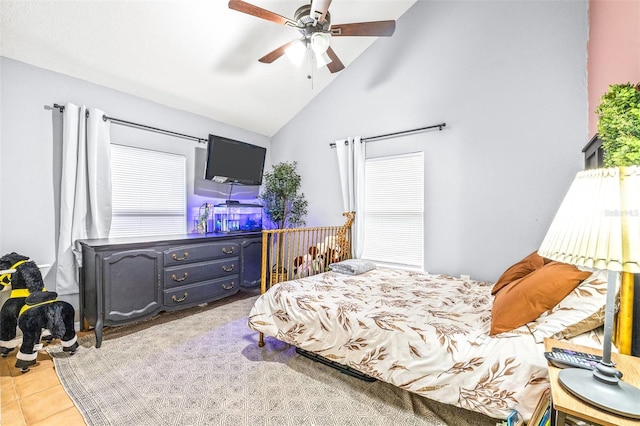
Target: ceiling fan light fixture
(322, 59)
(296, 52)
(320, 42)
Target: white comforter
(424, 333)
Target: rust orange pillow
(525, 299)
(519, 270)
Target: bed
(436, 335)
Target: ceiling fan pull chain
(311, 66)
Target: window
(394, 210)
(148, 192)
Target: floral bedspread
(427, 334)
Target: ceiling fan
(313, 21)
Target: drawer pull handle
(228, 286)
(228, 251)
(184, 256)
(182, 299)
(184, 277)
(229, 268)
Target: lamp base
(610, 395)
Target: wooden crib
(301, 252)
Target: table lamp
(598, 226)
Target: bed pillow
(581, 311)
(525, 299)
(352, 266)
(519, 270)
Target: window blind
(148, 192)
(394, 210)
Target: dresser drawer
(199, 252)
(194, 272)
(201, 292)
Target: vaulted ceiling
(195, 55)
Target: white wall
(508, 78)
(30, 146)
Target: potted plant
(284, 205)
(619, 125)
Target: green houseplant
(284, 205)
(619, 125)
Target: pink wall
(613, 49)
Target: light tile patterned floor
(34, 398)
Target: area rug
(207, 369)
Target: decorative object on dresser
(203, 222)
(598, 226)
(130, 279)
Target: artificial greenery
(619, 125)
(283, 205)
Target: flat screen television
(231, 161)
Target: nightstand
(565, 403)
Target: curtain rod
(401, 133)
(143, 127)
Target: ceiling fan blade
(248, 8)
(335, 65)
(319, 9)
(374, 28)
(276, 53)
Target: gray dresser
(124, 280)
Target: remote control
(564, 360)
(578, 354)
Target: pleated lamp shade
(598, 223)
(598, 226)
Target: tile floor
(35, 397)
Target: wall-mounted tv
(231, 161)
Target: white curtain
(85, 193)
(351, 160)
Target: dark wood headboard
(593, 153)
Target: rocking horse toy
(32, 308)
(42, 309)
